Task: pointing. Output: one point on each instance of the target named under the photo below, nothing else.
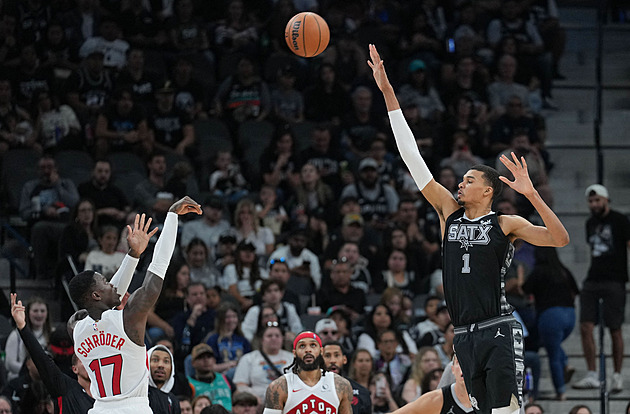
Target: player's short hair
(492, 179)
(80, 287)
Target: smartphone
(381, 383)
(450, 45)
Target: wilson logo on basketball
(313, 405)
(295, 33)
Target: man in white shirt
(209, 227)
(301, 261)
(114, 48)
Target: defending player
(308, 388)
(110, 342)
(477, 251)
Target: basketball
(307, 34)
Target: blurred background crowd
(115, 107)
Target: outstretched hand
(378, 69)
(138, 237)
(18, 312)
(522, 183)
(186, 205)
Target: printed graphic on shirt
(313, 405)
(602, 241)
(470, 234)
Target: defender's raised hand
(378, 69)
(138, 237)
(18, 312)
(186, 205)
(522, 183)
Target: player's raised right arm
(439, 197)
(276, 396)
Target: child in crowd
(226, 180)
(105, 260)
(269, 211)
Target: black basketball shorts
(490, 354)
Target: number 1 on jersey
(466, 259)
(95, 366)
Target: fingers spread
(146, 227)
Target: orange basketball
(307, 34)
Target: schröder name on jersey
(100, 339)
(474, 233)
(313, 405)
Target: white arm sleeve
(164, 247)
(124, 274)
(408, 148)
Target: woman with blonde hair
(246, 227)
(426, 360)
(312, 193)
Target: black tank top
(476, 256)
(450, 405)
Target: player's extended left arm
(556, 234)
(553, 234)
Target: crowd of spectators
(324, 220)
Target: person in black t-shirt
(335, 360)
(110, 201)
(554, 290)
(477, 251)
(172, 128)
(122, 127)
(608, 234)
(325, 157)
(136, 76)
(340, 291)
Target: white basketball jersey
(118, 368)
(322, 398)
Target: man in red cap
(306, 387)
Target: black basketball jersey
(476, 256)
(450, 403)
